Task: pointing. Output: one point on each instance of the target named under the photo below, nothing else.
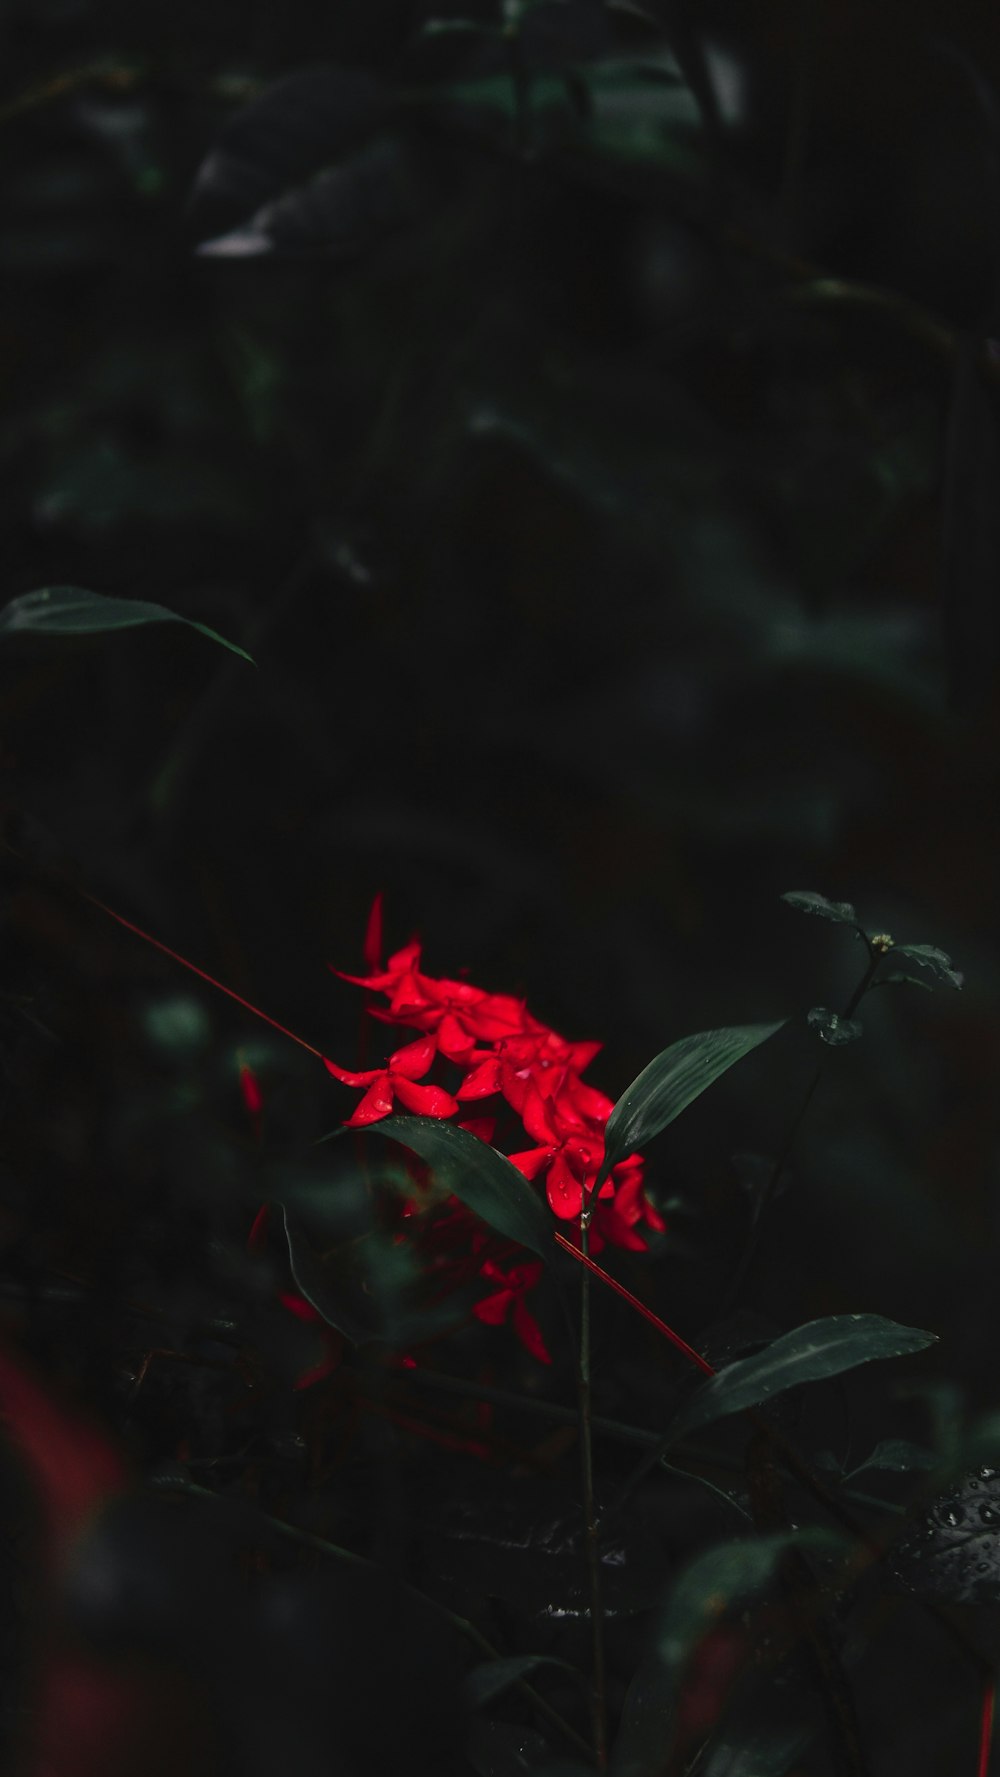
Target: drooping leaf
(328, 1302)
(807, 901)
(494, 1677)
(832, 1028)
(672, 1081)
(898, 978)
(339, 214)
(809, 1353)
(712, 1584)
(281, 139)
(481, 1177)
(71, 610)
(930, 957)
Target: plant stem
(590, 1530)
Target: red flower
(508, 1300)
(397, 1080)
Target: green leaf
(481, 1177)
(899, 979)
(834, 1029)
(710, 1585)
(365, 1289)
(895, 1456)
(673, 1081)
(70, 610)
(494, 1677)
(310, 1281)
(930, 957)
(809, 1353)
(807, 901)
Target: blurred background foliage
(585, 414)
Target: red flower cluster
(488, 1046)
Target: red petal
(497, 1015)
(383, 982)
(452, 1040)
(483, 1127)
(377, 1102)
(529, 1332)
(255, 1238)
(298, 1306)
(250, 1090)
(425, 1101)
(591, 1103)
(653, 1217)
(531, 1161)
(536, 1119)
(403, 961)
(413, 1060)
(582, 1054)
(411, 995)
(493, 1310)
(482, 1082)
(348, 1079)
(564, 1191)
(457, 992)
(371, 949)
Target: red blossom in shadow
(508, 1300)
(498, 1050)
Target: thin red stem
(688, 1351)
(986, 1725)
(202, 976)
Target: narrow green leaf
(494, 1677)
(809, 1353)
(807, 901)
(71, 610)
(481, 1177)
(672, 1081)
(899, 979)
(930, 957)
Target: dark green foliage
(807, 1354)
(585, 415)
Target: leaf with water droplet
(807, 901)
(930, 957)
(832, 1028)
(953, 1551)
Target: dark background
(592, 436)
